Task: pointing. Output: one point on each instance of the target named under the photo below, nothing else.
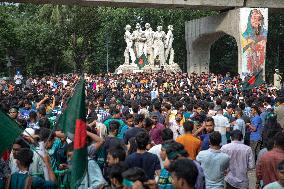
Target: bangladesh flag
(141, 61)
(10, 130)
(73, 123)
(254, 81)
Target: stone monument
(157, 46)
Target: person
(255, 129)
(241, 160)
(116, 117)
(280, 183)
(115, 175)
(141, 157)
(266, 168)
(279, 110)
(172, 151)
(184, 174)
(22, 179)
(191, 143)
(239, 123)
(176, 125)
(133, 131)
(208, 126)
(214, 162)
(222, 125)
(277, 79)
(156, 130)
(167, 134)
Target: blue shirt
(205, 141)
(256, 123)
(214, 163)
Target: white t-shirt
(157, 150)
(221, 123)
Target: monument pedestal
(133, 68)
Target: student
(280, 183)
(241, 161)
(184, 174)
(21, 179)
(214, 162)
(141, 158)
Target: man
(266, 168)
(176, 125)
(167, 134)
(255, 130)
(280, 111)
(133, 131)
(143, 159)
(156, 130)
(191, 144)
(214, 162)
(111, 141)
(116, 116)
(209, 128)
(239, 124)
(222, 125)
(184, 174)
(280, 182)
(277, 79)
(22, 179)
(241, 160)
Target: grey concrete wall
(196, 4)
(200, 34)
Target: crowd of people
(147, 130)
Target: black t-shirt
(146, 161)
(130, 133)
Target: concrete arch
(200, 34)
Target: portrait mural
(254, 28)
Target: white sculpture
(148, 46)
(159, 46)
(129, 44)
(168, 45)
(139, 39)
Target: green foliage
(45, 39)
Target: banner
(254, 28)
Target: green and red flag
(73, 123)
(10, 130)
(253, 81)
(141, 61)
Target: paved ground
(252, 179)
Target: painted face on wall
(256, 21)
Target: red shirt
(266, 169)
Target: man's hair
(117, 152)
(215, 138)
(45, 134)
(21, 143)
(142, 140)
(239, 110)
(188, 126)
(185, 169)
(114, 125)
(174, 149)
(139, 118)
(236, 135)
(128, 116)
(208, 119)
(115, 171)
(230, 106)
(167, 134)
(135, 107)
(134, 174)
(24, 156)
(279, 140)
